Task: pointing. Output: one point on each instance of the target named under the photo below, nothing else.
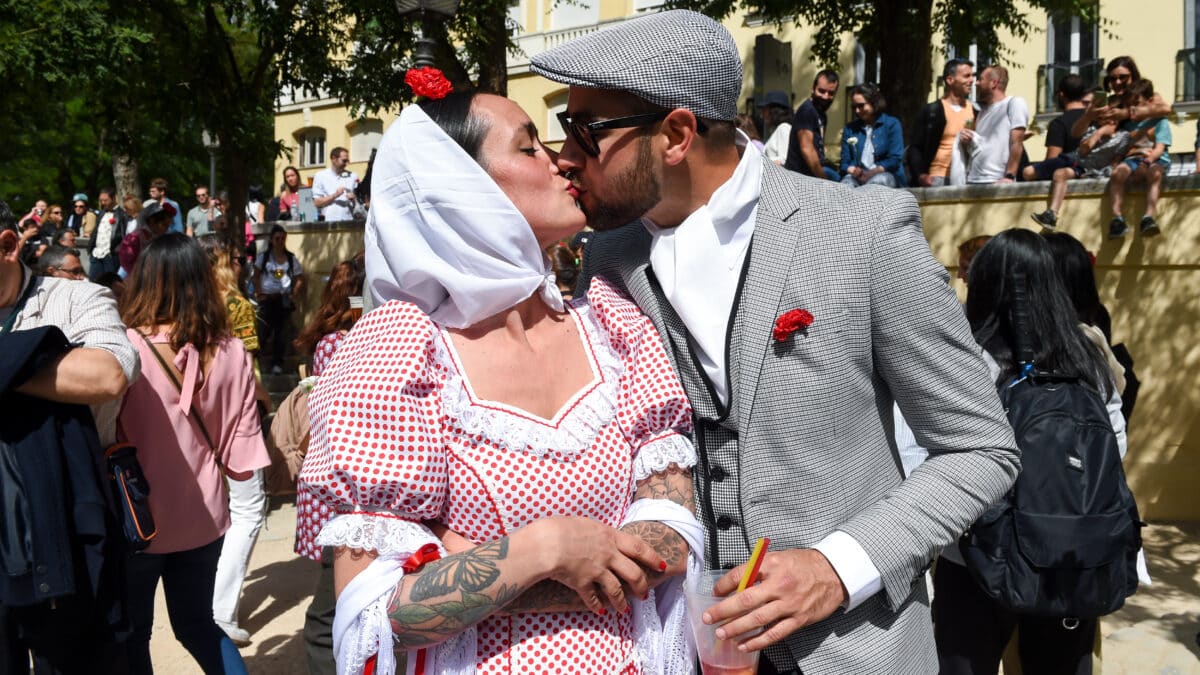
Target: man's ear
(680, 128)
(10, 246)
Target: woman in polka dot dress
(545, 443)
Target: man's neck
(955, 99)
(1074, 105)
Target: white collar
(442, 235)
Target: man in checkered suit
(795, 311)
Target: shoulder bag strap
(195, 415)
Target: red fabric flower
(791, 321)
(428, 82)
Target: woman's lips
(573, 191)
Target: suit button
(44, 588)
(40, 569)
(717, 474)
(724, 523)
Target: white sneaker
(239, 636)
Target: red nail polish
(627, 609)
(601, 611)
(662, 566)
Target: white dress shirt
(698, 265)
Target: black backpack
(1064, 541)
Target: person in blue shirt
(872, 143)
(1146, 162)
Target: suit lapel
(777, 232)
(645, 290)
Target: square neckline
(564, 410)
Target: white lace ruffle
(372, 532)
(572, 436)
(661, 453)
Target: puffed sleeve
(376, 464)
(652, 408)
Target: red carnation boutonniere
(791, 321)
(428, 82)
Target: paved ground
(1155, 633)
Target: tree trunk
(237, 181)
(905, 32)
(125, 176)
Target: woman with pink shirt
(193, 419)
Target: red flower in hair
(428, 82)
(791, 321)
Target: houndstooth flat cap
(675, 59)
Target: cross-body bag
(194, 415)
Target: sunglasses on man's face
(584, 133)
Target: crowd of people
(1116, 129)
(537, 435)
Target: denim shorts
(1134, 162)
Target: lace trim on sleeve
(659, 453)
(383, 533)
(572, 436)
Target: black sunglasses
(584, 133)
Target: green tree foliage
(902, 32)
(359, 50)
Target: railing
(1050, 74)
(1187, 75)
(532, 44)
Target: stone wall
(1151, 287)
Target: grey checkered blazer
(806, 444)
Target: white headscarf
(442, 235)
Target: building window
(365, 136)
(1070, 49)
(311, 146)
(515, 21)
(1187, 60)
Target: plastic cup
(717, 657)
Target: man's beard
(821, 104)
(636, 190)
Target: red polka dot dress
(399, 437)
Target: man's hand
(925, 180)
(966, 138)
(797, 588)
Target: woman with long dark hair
(289, 194)
(193, 419)
(341, 306)
(971, 630)
(549, 437)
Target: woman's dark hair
(1075, 269)
(335, 313)
(1058, 343)
(172, 284)
(1125, 62)
(453, 115)
(565, 265)
(873, 94)
(256, 193)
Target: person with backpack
(278, 284)
(1014, 570)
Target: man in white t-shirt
(333, 188)
(994, 146)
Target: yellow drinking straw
(756, 558)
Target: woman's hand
(597, 561)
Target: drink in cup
(717, 657)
